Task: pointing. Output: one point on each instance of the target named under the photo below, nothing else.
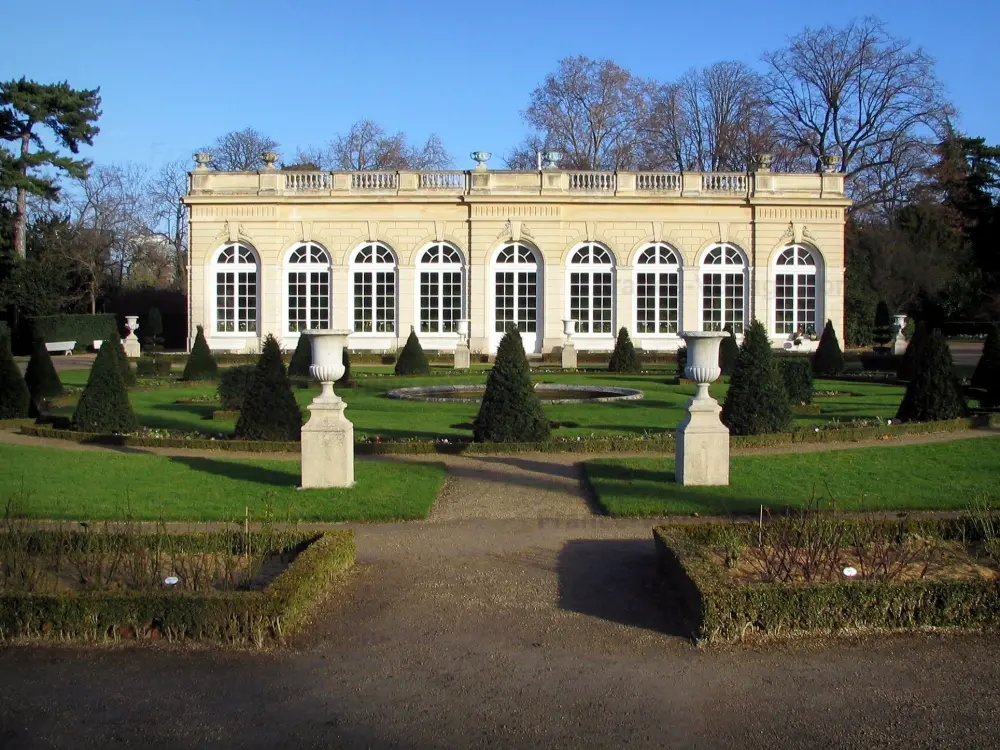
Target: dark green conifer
(412, 360)
(934, 392)
(987, 374)
(41, 377)
(104, 406)
(908, 363)
(201, 364)
(510, 411)
(124, 366)
(729, 350)
(828, 359)
(346, 381)
(15, 399)
(624, 358)
(756, 402)
(301, 360)
(269, 410)
(882, 330)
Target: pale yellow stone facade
(552, 213)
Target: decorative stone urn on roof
(702, 453)
(328, 436)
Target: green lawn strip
(940, 476)
(97, 485)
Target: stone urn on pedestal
(899, 343)
(702, 455)
(328, 436)
(463, 357)
(131, 342)
(568, 350)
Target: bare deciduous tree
(862, 96)
(240, 150)
(166, 189)
(524, 156)
(366, 146)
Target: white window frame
(805, 262)
(727, 252)
(426, 264)
(657, 267)
(377, 265)
(239, 265)
(589, 259)
(532, 339)
(309, 267)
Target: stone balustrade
(714, 185)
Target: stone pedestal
(463, 357)
(702, 454)
(569, 357)
(327, 445)
(132, 348)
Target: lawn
(97, 485)
(373, 413)
(940, 476)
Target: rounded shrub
(301, 360)
(624, 358)
(797, 374)
(987, 374)
(15, 399)
(233, 385)
(269, 410)
(412, 360)
(201, 364)
(934, 393)
(828, 359)
(756, 402)
(510, 411)
(729, 350)
(104, 406)
(41, 376)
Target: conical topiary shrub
(412, 360)
(510, 411)
(908, 363)
(104, 406)
(124, 366)
(988, 368)
(882, 330)
(346, 381)
(934, 393)
(624, 358)
(269, 410)
(41, 376)
(15, 400)
(682, 360)
(201, 364)
(756, 402)
(828, 359)
(729, 350)
(301, 360)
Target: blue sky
(174, 75)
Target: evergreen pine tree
(104, 406)
(269, 410)
(828, 359)
(909, 362)
(756, 402)
(201, 364)
(882, 330)
(934, 392)
(729, 350)
(412, 360)
(15, 400)
(988, 368)
(41, 377)
(624, 358)
(301, 360)
(124, 366)
(510, 411)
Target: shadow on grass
(618, 580)
(240, 471)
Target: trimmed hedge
(83, 329)
(721, 608)
(231, 617)
(797, 373)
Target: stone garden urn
(131, 342)
(463, 329)
(702, 440)
(463, 355)
(899, 341)
(568, 350)
(328, 436)
(569, 327)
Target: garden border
(237, 618)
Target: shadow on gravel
(618, 580)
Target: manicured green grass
(939, 476)
(373, 413)
(97, 485)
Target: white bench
(66, 347)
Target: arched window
(591, 289)
(236, 289)
(657, 290)
(723, 289)
(440, 293)
(373, 276)
(308, 278)
(795, 291)
(517, 294)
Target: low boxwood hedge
(83, 329)
(718, 607)
(253, 618)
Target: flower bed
(720, 606)
(31, 608)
